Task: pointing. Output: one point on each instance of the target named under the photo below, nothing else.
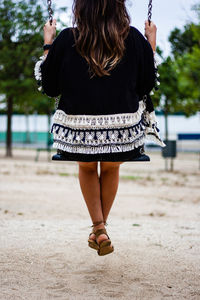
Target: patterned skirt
(115, 137)
(112, 157)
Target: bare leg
(109, 181)
(90, 187)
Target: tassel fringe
(92, 134)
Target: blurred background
(26, 114)
(155, 219)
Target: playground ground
(154, 225)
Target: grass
(64, 174)
(68, 174)
(44, 172)
(130, 177)
(150, 178)
(164, 179)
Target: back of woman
(102, 68)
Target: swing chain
(49, 3)
(50, 11)
(150, 11)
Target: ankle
(99, 226)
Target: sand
(154, 225)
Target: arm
(49, 34)
(48, 67)
(150, 76)
(150, 33)
(146, 67)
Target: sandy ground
(154, 226)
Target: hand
(49, 32)
(150, 30)
(150, 33)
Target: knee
(88, 166)
(110, 166)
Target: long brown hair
(103, 25)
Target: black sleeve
(146, 72)
(50, 68)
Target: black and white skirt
(114, 137)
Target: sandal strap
(100, 231)
(98, 223)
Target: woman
(104, 71)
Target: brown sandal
(93, 243)
(104, 246)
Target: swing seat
(61, 157)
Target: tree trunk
(49, 136)
(166, 131)
(9, 127)
(27, 139)
(49, 128)
(166, 126)
(166, 119)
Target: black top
(65, 73)
(101, 118)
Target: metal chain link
(49, 3)
(150, 11)
(50, 11)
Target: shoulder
(63, 36)
(139, 39)
(62, 41)
(64, 33)
(137, 34)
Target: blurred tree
(185, 46)
(21, 40)
(180, 73)
(167, 95)
(183, 41)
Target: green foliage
(168, 86)
(21, 40)
(183, 41)
(188, 69)
(180, 72)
